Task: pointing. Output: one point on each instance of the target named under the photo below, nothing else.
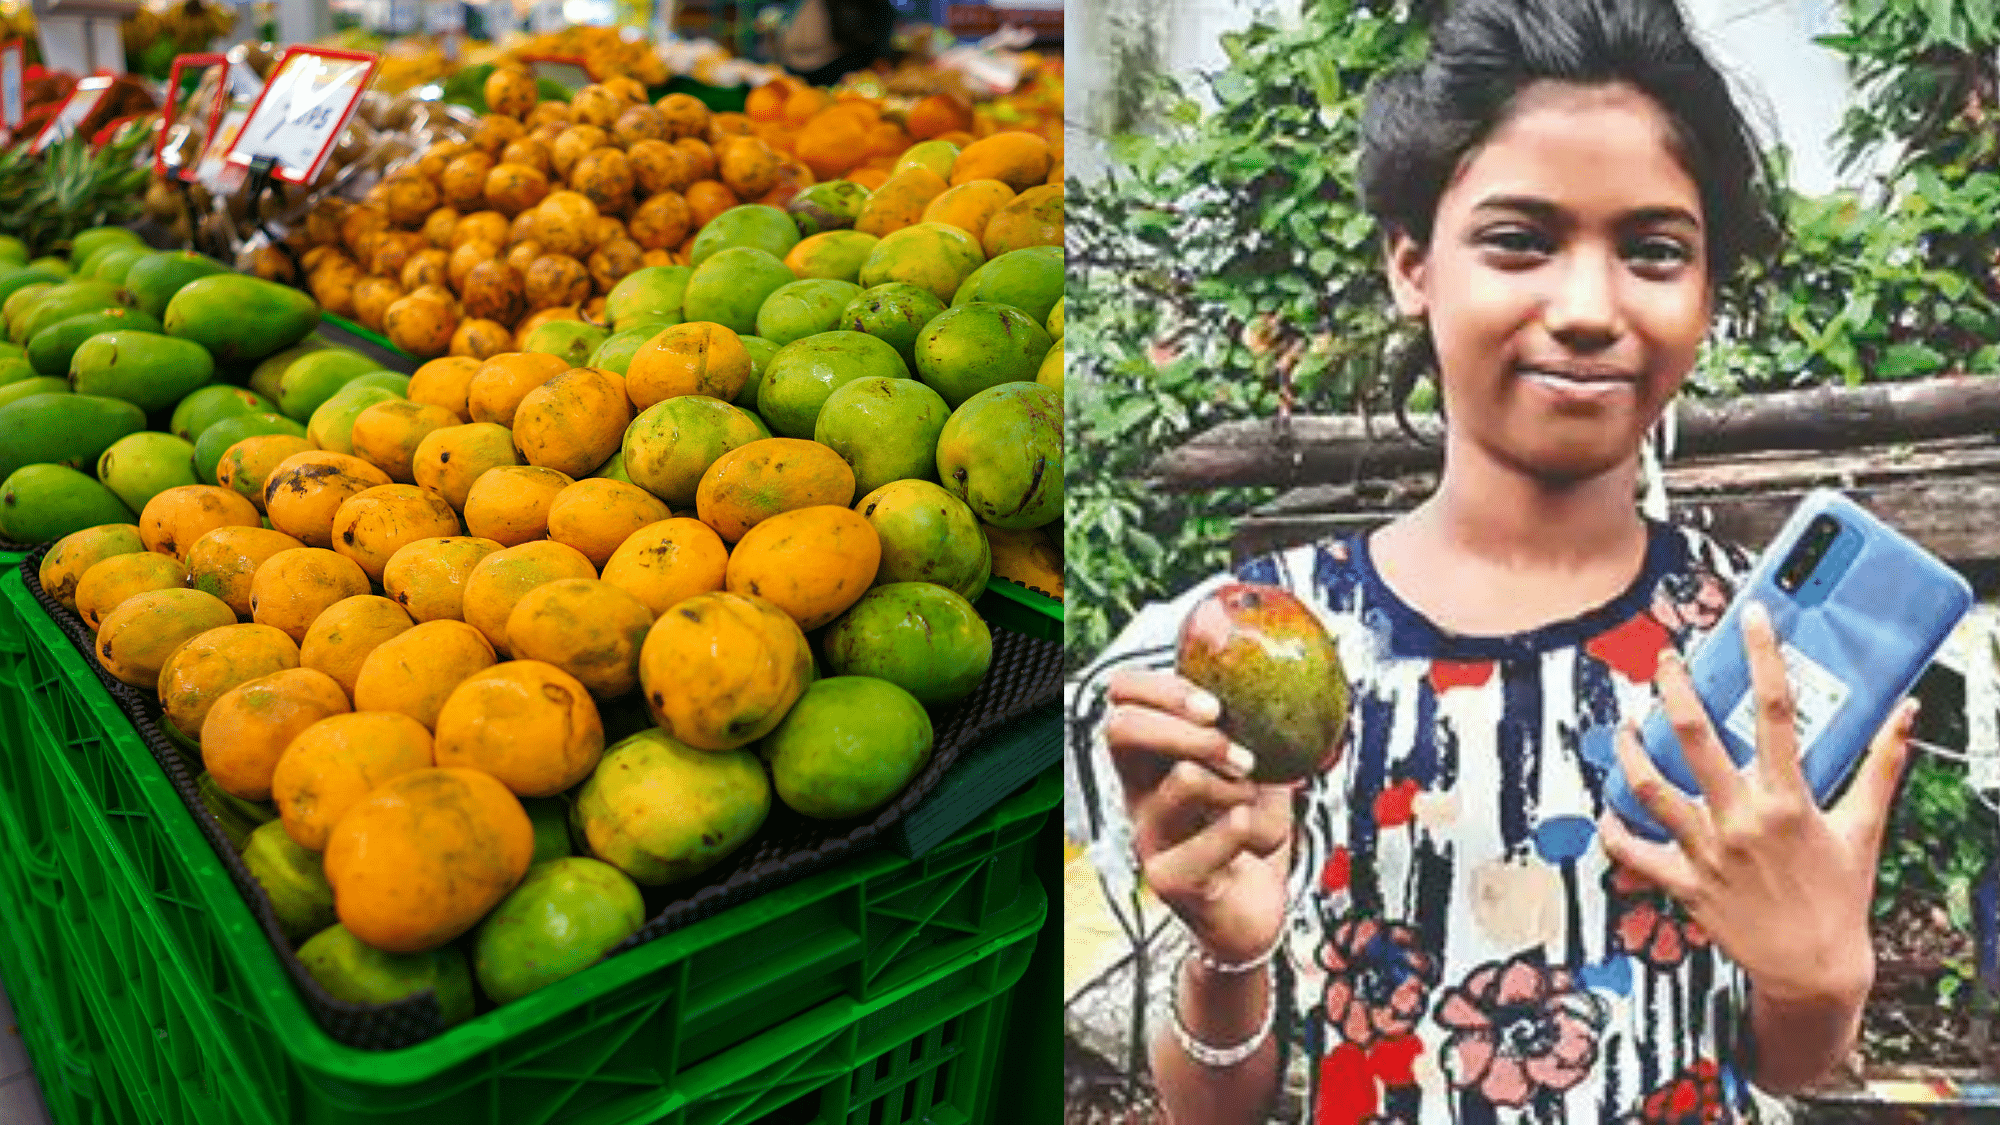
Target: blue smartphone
(1859, 610)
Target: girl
(1448, 924)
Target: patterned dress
(1459, 948)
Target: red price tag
(168, 143)
(304, 107)
(13, 103)
(81, 103)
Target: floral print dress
(1459, 947)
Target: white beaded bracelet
(1222, 1058)
(1202, 958)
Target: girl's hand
(1782, 886)
(1214, 846)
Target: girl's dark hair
(1421, 123)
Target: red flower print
(1648, 923)
(1518, 1027)
(1338, 870)
(1692, 1097)
(1632, 648)
(1379, 980)
(1393, 805)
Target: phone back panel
(1852, 649)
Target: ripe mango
(1277, 672)
(928, 535)
(240, 318)
(63, 567)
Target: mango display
(721, 429)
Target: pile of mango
(105, 383)
(471, 247)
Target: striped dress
(1459, 949)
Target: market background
(1221, 265)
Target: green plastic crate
(170, 992)
(1016, 607)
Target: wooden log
(1342, 448)
(1944, 495)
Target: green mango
(392, 381)
(140, 466)
(240, 318)
(52, 348)
(237, 817)
(264, 379)
(293, 878)
(65, 301)
(360, 974)
(13, 278)
(613, 469)
(84, 243)
(155, 278)
(569, 340)
(38, 385)
(216, 440)
(565, 915)
(332, 425)
(211, 404)
(13, 351)
(63, 429)
(113, 265)
(43, 502)
(761, 351)
(13, 249)
(55, 265)
(647, 294)
(19, 303)
(615, 353)
(145, 368)
(315, 377)
(1029, 279)
(14, 370)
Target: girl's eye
(1515, 241)
(1660, 251)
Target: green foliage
(1222, 251)
(1927, 78)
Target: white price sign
(215, 161)
(305, 105)
(81, 102)
(13, 104)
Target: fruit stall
(525, 602)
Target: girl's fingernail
(1203, 707)
(1756, 614)
(1242, 760)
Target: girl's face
(1565, 284)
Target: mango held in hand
(563, 917)
(1277, 673)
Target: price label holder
(81, 103)
(299, 116)
(564, 70)
(170, 158)
(13, 101)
